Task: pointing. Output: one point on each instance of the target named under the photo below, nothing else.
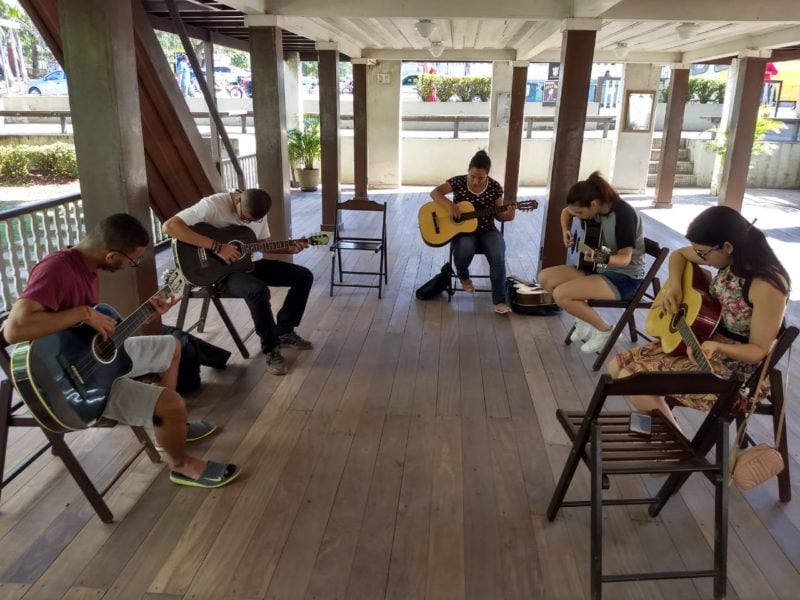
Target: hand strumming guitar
(568, 238)
(101, 323)
(229, 253)
(455, 212)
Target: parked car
(229, 74)
(52, 84)
(410, 80)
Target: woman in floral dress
(752, 287)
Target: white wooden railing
(249, 167)
(30, 232)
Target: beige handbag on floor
(754, 466)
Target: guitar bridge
(72, 373)
(435, 222)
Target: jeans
(490, 243)
(252, 287)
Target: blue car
(52, 84)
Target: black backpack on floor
(441, 282)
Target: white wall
(780, 168)
(692, 116)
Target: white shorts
(133, 402)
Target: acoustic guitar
(695, 321)
(64, 378)
(438, 227)
(587, 238)
(201, 267)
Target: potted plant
(304, 148)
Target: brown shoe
(501, 308)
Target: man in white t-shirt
(250, 208)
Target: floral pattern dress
(734, 328)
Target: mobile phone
(639, 423)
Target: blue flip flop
(215, 475)
(196, 430)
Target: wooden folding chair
(12, 414)
(769, 405)
(643, 298)
(604, 443)
(377, 245)
(211, 294)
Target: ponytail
(593, 188)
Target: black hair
(120, 232)
(751, 257)
(593, 188)
(256, 202)
(481, 160)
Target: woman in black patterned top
(483, 192)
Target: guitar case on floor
(528, 298)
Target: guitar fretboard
(485, 212)
(136, 319)
(267, 246)
(690, 339)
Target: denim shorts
(624, 287)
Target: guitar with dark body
(201, 267)
(587, 238)
(64, 378)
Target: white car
(52, 84)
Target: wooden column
(100, 60)
(216, 151)
(269, 117)
(329, 131)
(746, 103)
(519, 80)
(577, 51)
(360, 149)
(671, 137)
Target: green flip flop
(196, 430)
(215, 475)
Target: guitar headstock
(174, 281)
(526, 205)
(318, 239)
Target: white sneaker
(581, 331)
(596, 342)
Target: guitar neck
(263, 246)
(485, 212)
(691, 341)
(137, 318)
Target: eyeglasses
(244, 219)
(703, 254)
(134, 262)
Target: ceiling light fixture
(436, 49)
(425, 27)
(687, 31)
(621, 50)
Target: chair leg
(784, 481)
(341, 278)
(229, 324)
(568, 339)
(563, 482)
(141, 435)
(385, 253)
(333, 270)
(632, 329)
(721, 514)
(380, 277)
(201, 323)
(75, 469)
(596, 544)
(182, 309)
(5, 416)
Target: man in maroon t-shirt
(61, 292)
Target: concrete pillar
(577, 51)
(515, 123)
(632, 148)
(360, 146)
(330, 163)
(214, 141)
(744, 113)
(384, 125)
(269, 116)
(671, 137)
(499, 114)
(100, 59)
(292, 89)
(724, 122)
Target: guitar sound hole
(677, 318)
(104, 351)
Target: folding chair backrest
(357, 204)
(785, 339)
